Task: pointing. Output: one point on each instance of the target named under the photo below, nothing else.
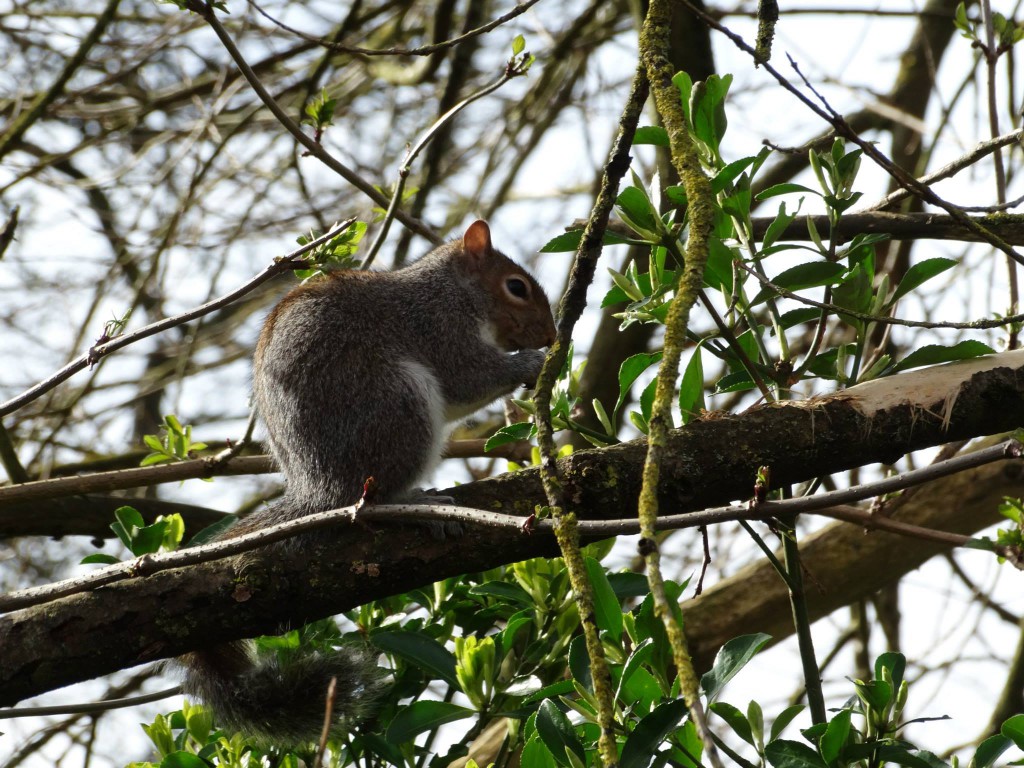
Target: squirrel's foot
(427, 496)
(439, 529)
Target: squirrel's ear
(477, 240)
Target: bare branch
(422, 50)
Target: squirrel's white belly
(421, 380)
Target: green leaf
(149, 538)
(896, 663)
(630, 370)
(718, 271)
(783, 753)
(421, 650)
(536, 754)
(651, 134)
(602, 417)
(808, 275)
(377, 745)
(502, 589)
(121, 534)
(641, 691)
(579, 663)
(637, 211)
(916, 758)
(183, 760)
(682, 81)
(647, 402)
(921, 272)
(777, 227)
(650, 733)
(565, 242)
(798, 316)
(507, 636)
(638, 421)
(561, 688)
(755, 716)
(691, 389)
(607, 609)
(518, 45)
(784, 189)
(933, 354)
(676, 195)
(570, 241)
(1013, 729)
(422, 716)
(99, 557)
(876, 694)
(153, 442)
(628, 584)
(990, 749)
(641, 653)
(855, 292)
(812, 232)
(785, 717)
(834, 738)
(213, 530)
(735, 718)
(707, 111)
(726, 176)
(129, 517)
(732, 657)
(737, 381)
(512, 433)
(557, 733)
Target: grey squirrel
(356, 376)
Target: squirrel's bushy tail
(282, 703)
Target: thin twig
(9, 228)
(422, 50)
(992, 52)
(883, 319)
(135, 477)
(952, 168)
(321, 749)
(211, 466)
(206, 11)
(90, 707)
(511, 71)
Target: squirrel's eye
(517, 287)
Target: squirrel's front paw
(531, 361)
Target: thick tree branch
(898, 226)
(707, 463)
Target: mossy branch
(570, 309)
(654, 52)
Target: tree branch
(709, 462)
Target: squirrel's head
(517, 309)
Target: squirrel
(358, 375)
